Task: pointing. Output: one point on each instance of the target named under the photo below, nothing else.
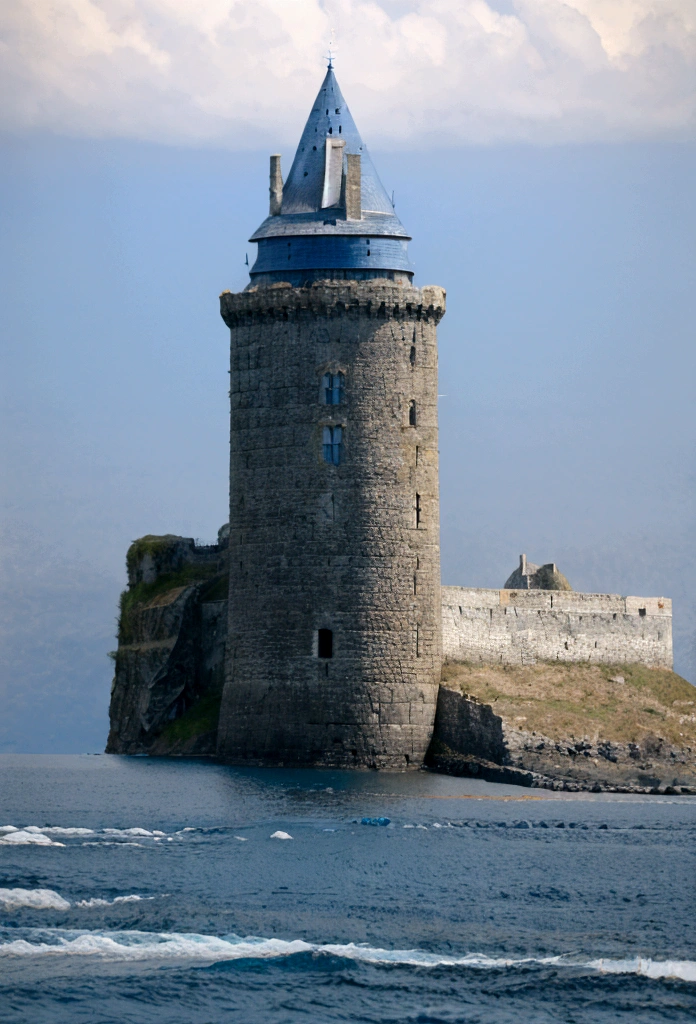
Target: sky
(542, 155)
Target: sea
(187, 892)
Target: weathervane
(332, 50)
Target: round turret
(332, 213)
(334, 644)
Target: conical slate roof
(309, 233)
(330, 116)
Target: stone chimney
(276, 186)
(353, 188)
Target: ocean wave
(37, 899)
(35, 835)
(97, 902)
(145, 832)
(48, 899)
(138, 946)
(27, 837)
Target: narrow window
(642, 611)
(333, 385)
(418, 509)
(325, 644)
(412, 419)
(333, 442)
(415, 583)
(412, 357)
(417, 642)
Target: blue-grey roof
(301, 211)
(330, 116)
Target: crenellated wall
(518, 627)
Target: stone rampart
(518, 627)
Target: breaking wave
(96, 902)
(37, 899)
(33, 835)
(140, 946)
(47, 899)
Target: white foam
(8, 828)
(26, 837)
(152, 946)
(281, 835)
(38, 899)
(96, 902)
(129, 832)
(56, 830)
(683, 969)
(134, 945)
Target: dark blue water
(476, 903)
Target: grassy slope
(200, 719)
(561, 700)
(142, 594)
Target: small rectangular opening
(418, 509)
(642, 611)
(325, 644)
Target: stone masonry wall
(352, 548)
(516, 627)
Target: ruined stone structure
(519, 627)
(334, 648)
(536, 577)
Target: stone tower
(334, 648)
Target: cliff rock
(168, 679)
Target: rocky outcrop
(169, 664)
(471, 739)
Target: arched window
(333, 384)
(412, 420)
(333, 442)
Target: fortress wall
(514, 627)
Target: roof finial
(332, 50)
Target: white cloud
(241, 73)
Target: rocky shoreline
(446, 762)
(472, 740)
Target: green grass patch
(218, 590)
(198, 720)
(622, 703)
(142, 593)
